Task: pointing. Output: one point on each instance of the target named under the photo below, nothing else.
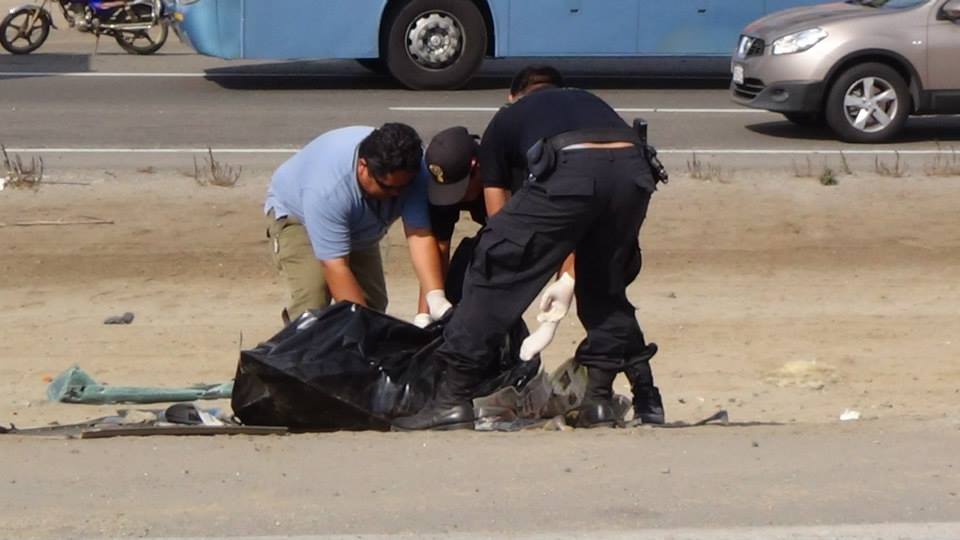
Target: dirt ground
(771, 296)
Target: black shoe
(648, 405)
(597, 409)
(440, 417)
(593, 415)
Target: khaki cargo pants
(294, 258)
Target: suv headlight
(799, 41)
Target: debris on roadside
(75, 386)
(849, 414)
(179, 419)
(126, 318)
(61, 221)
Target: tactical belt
(596, 136)
(542, 156)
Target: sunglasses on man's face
(387, 187)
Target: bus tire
(435, 44)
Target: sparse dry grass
(16, 175)
(845, 164)
(944, 165)
(699, 170)
(826, 175)
(215, 173)
(895, 170)
(804, 170)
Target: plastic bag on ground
(349, 367)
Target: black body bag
(349, 367)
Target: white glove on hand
(422, 320)
(556, 299)
(438, 304)
(538, 340)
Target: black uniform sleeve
(442, 221)
(494, 167)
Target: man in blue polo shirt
(329, 206)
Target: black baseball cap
(448, 159)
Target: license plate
(737, 74)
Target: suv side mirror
(951, 11)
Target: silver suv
(861, 66)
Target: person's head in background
(533, 78)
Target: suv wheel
(868, 103)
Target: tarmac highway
(112, 109)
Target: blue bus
(433, 44)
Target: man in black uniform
(455, 187)
(590, 194)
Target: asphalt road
(111, 109)
(877, 480)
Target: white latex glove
(556, 299)
(438, 304)
(422, 320)
(538, 340)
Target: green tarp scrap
(75, 386)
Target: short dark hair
(392, 147)
(534, 75)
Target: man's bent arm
(341, 281)
(425, 255)
(495, 198)
(444, 246)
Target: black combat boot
(597, 409)
(451, 408)
(647, 403)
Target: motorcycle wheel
(17, 39)
(143, 41)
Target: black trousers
(593, 203)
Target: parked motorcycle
(139, 26)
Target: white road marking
(885, 531)
(728, 110)
(711, 151)
(155, 150)
(170, 75)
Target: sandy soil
(771, 296)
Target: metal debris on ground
(179, 419)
